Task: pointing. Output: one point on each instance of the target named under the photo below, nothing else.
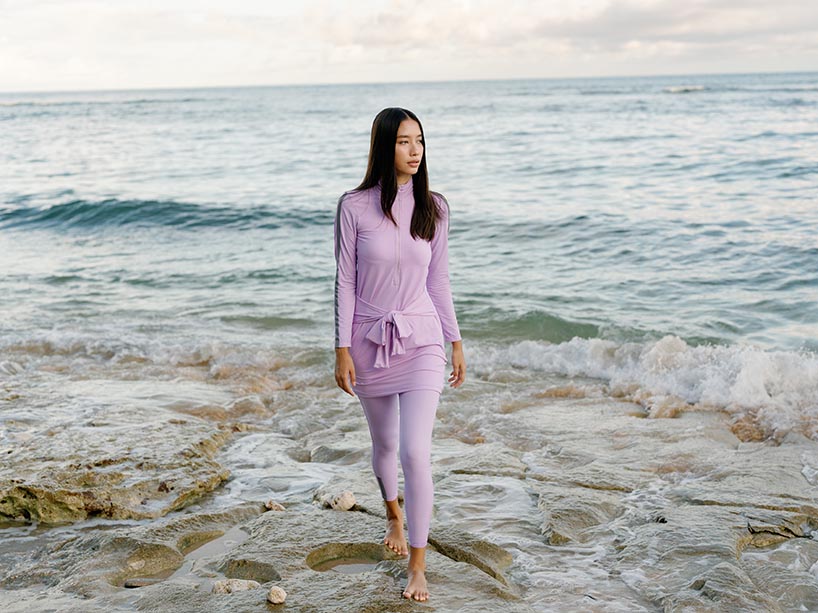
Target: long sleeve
(437, 280)
(345, 231)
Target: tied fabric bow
(390, 327)
(388, 333)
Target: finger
(341, 381)
(461, 376)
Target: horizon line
(415, 82)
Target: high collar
(406, 187)
(402, 189)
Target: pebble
(276, 595)
(343, 501)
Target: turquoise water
(595, 224)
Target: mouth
(414, 163)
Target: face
(408, 150)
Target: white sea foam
(683, 89)
(779, 388)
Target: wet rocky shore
(547, 499)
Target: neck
(404, 186)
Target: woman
(393, 314)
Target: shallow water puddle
(346, 558)
(347, 565)
(189, 571)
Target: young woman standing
(393, 314)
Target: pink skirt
(420, 368)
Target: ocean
(651, 241)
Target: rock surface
(119, 468)
(551, 502)
(228, 586)
(298, 551)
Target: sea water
(647, 239)
(599, 226)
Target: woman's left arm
(438, 285)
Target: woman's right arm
(345, 233)
(345, 230)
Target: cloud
(692, 21)
(551, 38)
(477, 25)
(95, 44)
(51, 44)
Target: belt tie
(388, 333)
(390, 327)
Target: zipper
(397, 281)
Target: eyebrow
(407, 136)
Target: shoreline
(590, 504)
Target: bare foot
(394, 538)
(416, 588)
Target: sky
(67, 45)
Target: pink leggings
(412, 427)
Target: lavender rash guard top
(395, 287)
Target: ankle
(393, 512)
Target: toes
(415, 595)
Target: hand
(458, 374)
(344, 369)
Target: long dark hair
(381, 168)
